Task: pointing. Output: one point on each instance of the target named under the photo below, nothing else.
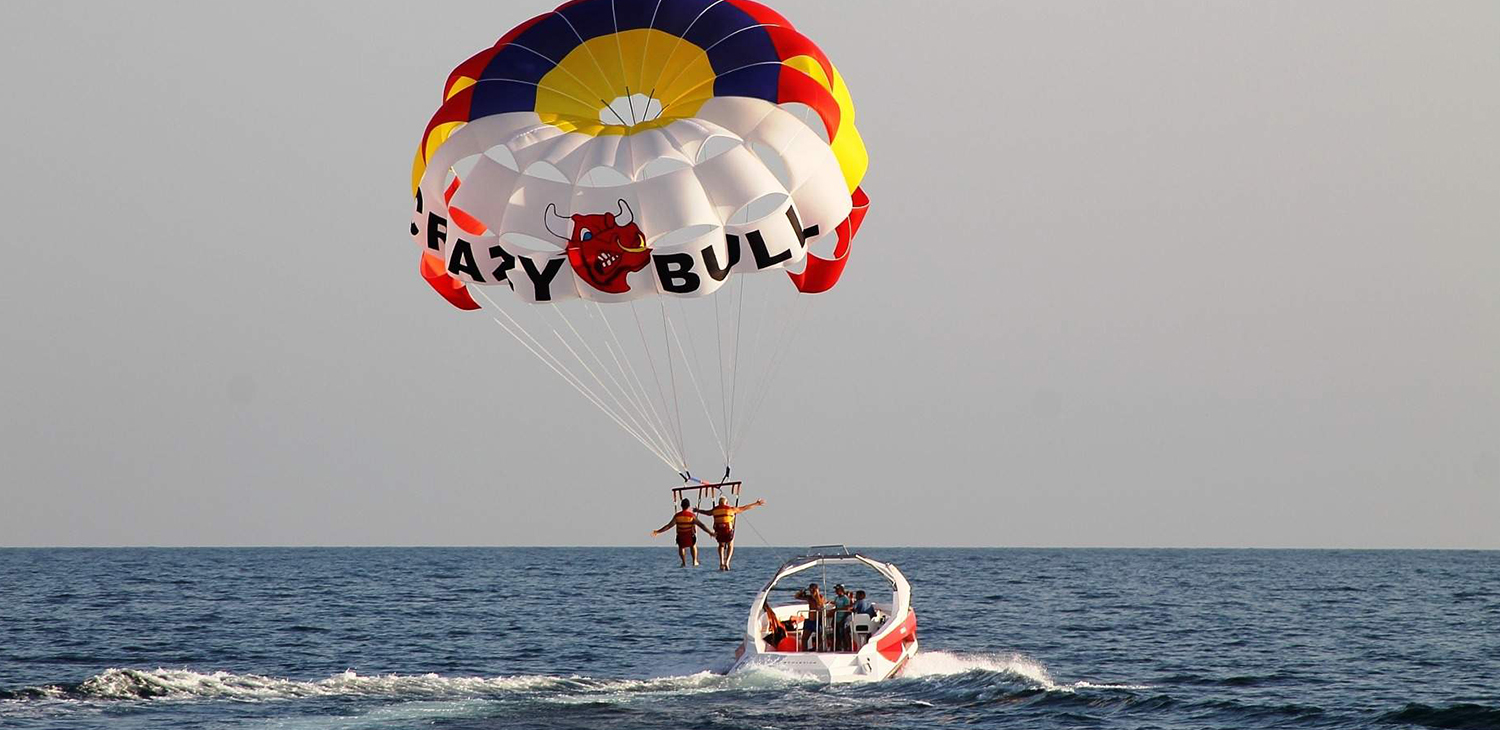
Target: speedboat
(845, 646)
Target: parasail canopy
(614, 151)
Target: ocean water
(623, 638)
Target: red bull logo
(602, 247)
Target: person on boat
(724, 515)
(842, 601)
(687, 524)
(862, 607)
(811, 627)
(777, 629)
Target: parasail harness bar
(707, 491)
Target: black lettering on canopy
(542, 280)
(507, 263)
(675, 272)
(763, 258)
(711, 259)
(461, 260)
(414, 229)
(802, 233)
(437, 231)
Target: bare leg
(682, 555)
(695, 557)
(728, 548)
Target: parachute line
(792, 325)
(671, 370)
(572, 379)
(757, 532)
(602, 366)
(562, 371)
(694, 380)
(592, 399)
(646, 53)
(622, 361)
(587, 49)
(590, 370)
(678, 45)
(554, 64)
(734, 373)
(719, 340)
(709, 82)
(697, 366)
(754, 387)
(614, 15)
(656, 375)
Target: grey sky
(1137, 274)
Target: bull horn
(639, 238)
(626, 216)
(565, 221)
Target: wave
(122, 684)
(1015, 666)
(1464, 716)
(163, 683)
(140, 684)
(1241, 680)
(950, 681)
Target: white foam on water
(754, 675)
(137, 684)
(943, 664)
(403, 714)
(1020, 666)
(1091, 685)
(185, 683)
(626, 691)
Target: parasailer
(724, 515)
(661, 183)
(686, 524)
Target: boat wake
(152, 684)
(935, 682)
(162, 683)
(1016, 667)
(127, 684)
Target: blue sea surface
(605, 638)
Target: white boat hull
(882, 654)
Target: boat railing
(858, 628)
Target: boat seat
(861, 626)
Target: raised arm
(750, 506)
(665, 527)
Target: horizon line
(742, 547)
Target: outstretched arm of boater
(702, 526)
(665, 527)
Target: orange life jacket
(724, 517)
(686, 522)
